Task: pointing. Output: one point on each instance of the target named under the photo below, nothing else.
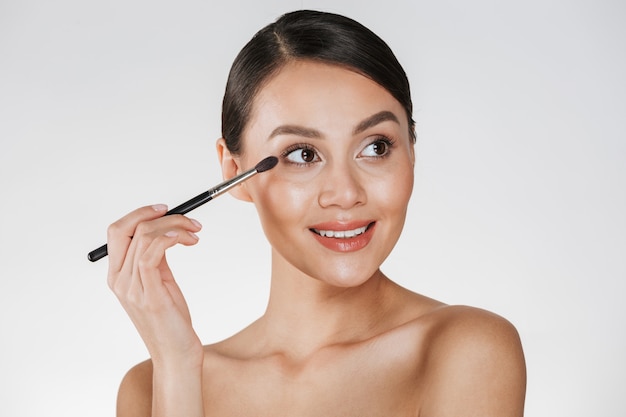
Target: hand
(143, 282)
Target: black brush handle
(265, 165)
(184, 208)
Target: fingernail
(193, 235)
(171, 233)
(159, 207)
(196, 223)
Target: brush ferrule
(227, 185)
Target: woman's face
(334, 206)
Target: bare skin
(338, 337)
(424, 359)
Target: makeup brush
(265, 165)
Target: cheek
(281, 202)
(395, 191)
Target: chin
(348, 277)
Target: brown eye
(301, 155)
(376, 149)
(379, 148)
(307, 155)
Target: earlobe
(230, 168)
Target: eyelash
(296, 147)
(389, 143)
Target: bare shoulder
(135, 394)
(475, 364)
(454, 323)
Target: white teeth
(341, 234)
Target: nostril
(343, 190)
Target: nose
(342, 187)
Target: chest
(362, 381)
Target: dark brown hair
(308, 35)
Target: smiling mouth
(342, 234)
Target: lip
(345, 244)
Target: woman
(328, 97)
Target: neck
(304, 314)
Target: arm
(170, 384)
(476, 367)
(143, 390)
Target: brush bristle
(266, 164)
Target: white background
(519, 205)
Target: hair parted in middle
(315, 36)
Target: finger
(175, 222)
(153, 238)
(145, 233)
(127, 280)
(142, 255)
(152, 270)
(120, 233)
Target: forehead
(318, 80)
(320, 94)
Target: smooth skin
(338, 337)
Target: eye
(300, 154)
(377, 149)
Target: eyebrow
(295, 130)
(375, 119)
(306, 132)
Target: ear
(230, 168)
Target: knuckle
(113, 229)
(148, 261)
(143, 264)
(142, 229)
(142, 240)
